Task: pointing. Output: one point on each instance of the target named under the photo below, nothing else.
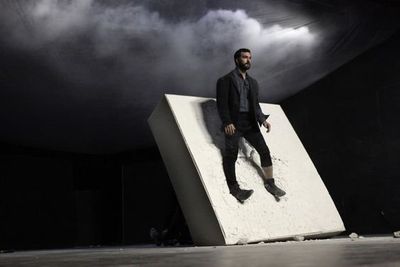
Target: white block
(187, 132)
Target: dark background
(79, 166)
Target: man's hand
(267, 125)
(230, 129)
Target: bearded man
(241, 116)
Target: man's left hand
(267, 125)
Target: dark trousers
(244, 128)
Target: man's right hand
(230, 129)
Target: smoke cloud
(133, 48)
(84, 75)
(116, 61)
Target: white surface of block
(191, 150)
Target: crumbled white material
(306, 209)
(396, 234)
(298, 238)
(353, 236)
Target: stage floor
(368, 251)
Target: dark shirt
(244, 89)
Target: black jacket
(228, 100)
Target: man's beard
(244, 66)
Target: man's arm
(261, 118)
(223, 101)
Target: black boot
(240, 194)
(273, 189)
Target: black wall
(56, 199)
(349, 123)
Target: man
(241, 115)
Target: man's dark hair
(239, 53)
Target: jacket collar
(234, 73)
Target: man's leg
(255, 138)
(230, 157)
(229, 160)
(268, 172)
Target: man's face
(244, 61)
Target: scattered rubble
(242, 241)
(396, 234)
(298, 238)
(353, 236)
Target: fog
(150, 52)
(115, 60)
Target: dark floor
(370, 251)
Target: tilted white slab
(187, 132)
